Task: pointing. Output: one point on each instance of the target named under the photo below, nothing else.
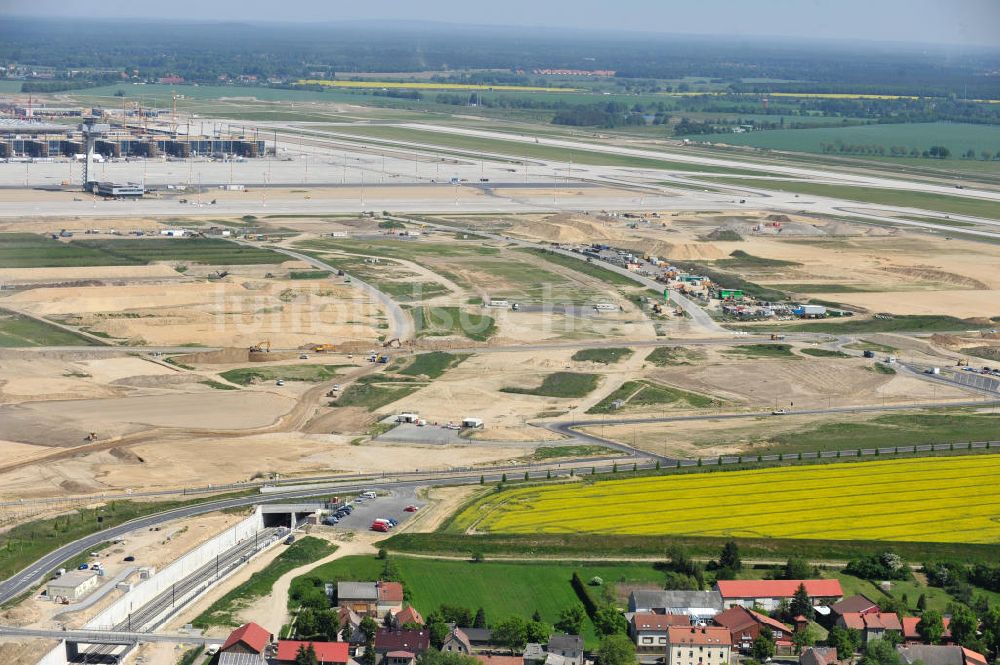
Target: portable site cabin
(407, 418)
(472, 423)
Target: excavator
(323, 348)
(261, 347)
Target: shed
(73, 586)
(472, 423)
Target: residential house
(649, 631)
(912, 636)
(327, 653)
(568, 647)
(389, 639)
(709, 645)
(940, 654)
(250, 638)
(745, 625)
(407, 616)
(872, 626)
(390, 598)
(859, 603)
(696, 605)
(399, 658)
(534, 654)
(769, 594)
(480, 638)
(359, 597)
(457, 641)
(352, 620)
(230, 658)
(818, 656)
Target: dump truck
(777, 336)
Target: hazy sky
(929, 21)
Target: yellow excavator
(261, 347)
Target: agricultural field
(17, 331)
(957, 137)
(501, 589)
(946, 499)
(428, 85)
(28, 250)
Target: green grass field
(20, 331)
(955, 205)
(756, 351)
(823, 353)
(524, 149)
(555, 452)
(910, 323)
(607, 355)
(561, 384)
(740, 260)
(887, 430)
(433, 364)
(374, 392)
(501, 589)
(638, 394)
(444, 321)
(664, 356)
(582, 265)
(957, 137)
(309, 274)
(27, 250)
(245, 376)
(224, 611)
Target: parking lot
(388, 505)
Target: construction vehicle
(393, 343)
(963, 363)
(382, 360)
(261, 347)
(777, 336)
(323, 348)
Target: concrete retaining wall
(55, 657)
(147, 590)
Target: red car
(410, 509)
(379, 526)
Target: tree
(763, 645)
(511, 632)
(845, 640)
(801, 604)
(796, 568)
(803, 638)
(369, 628)
(435, 657)
(616, 649)
(306, 656)
(382, 553)
(880, 652)
(931, 627)
(480, 620)
(536, 616)
(608, 620)
(305, 623)
(963, 623)
(730, 557)
(456, 614)
(922, 603)
(991, 631)
(327, 624)
(437, 630)
(571, 620)
(539, 632)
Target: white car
(279, 382)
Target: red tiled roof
(390, 592)
(650, 621)
(778, 588)
(251, 634)
(973, 657)
(885, 621)
(416, 641)
(709, 636)
(504, 660)
(409, 615)
(853, 620)
(740, 618)
(326, 652)
(910, 632)
(401, 654)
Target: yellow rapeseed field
(943, 499)
(401, 85)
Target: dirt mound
(988, 352)
(126, 456)
(220, 357)
(680, 251)
(931, 274)
(784, 219)
(947, 341)
(566, 228)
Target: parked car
(778, 412)
(279, 382)
(129, 558)
(380, 527)
(410, 509)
